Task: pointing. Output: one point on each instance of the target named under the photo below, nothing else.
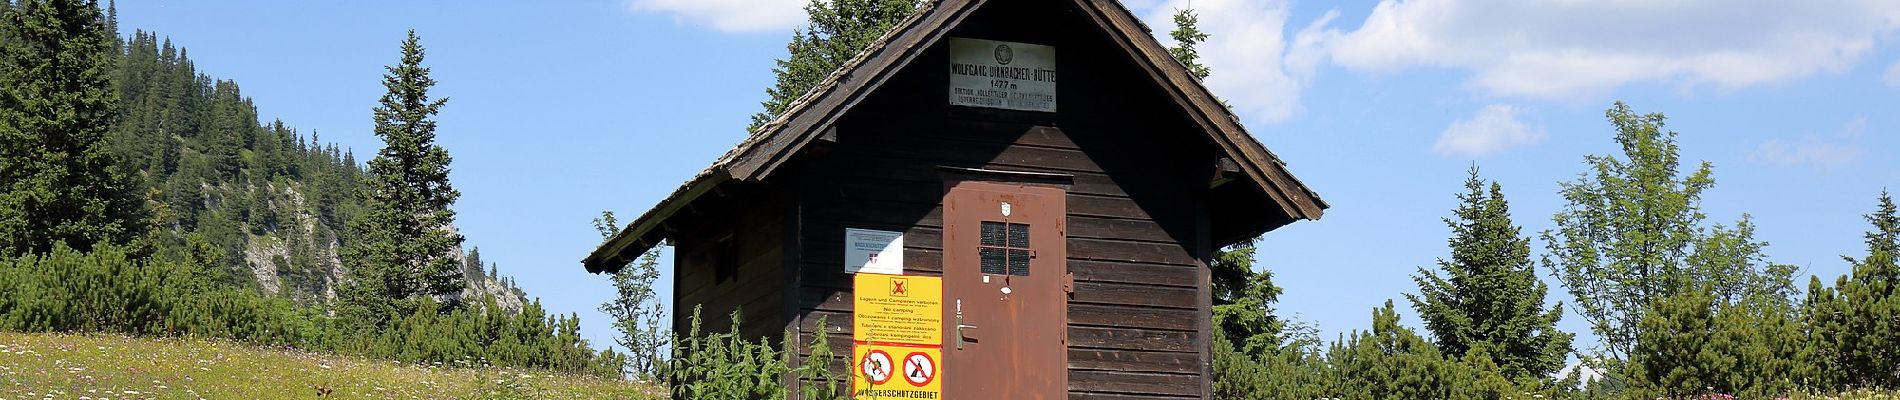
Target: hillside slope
(66, 366)
(270, 204)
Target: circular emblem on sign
(877, 367)
(1004, 55)
(919, 369)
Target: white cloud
(1495, 128)
(1254, 68)
(1562, 49)
(1830, 152)
(730, 15)
(1808, 151)
(1893, 75)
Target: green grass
(64, 366)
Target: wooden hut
(1046, 162)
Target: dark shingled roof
(776, 141)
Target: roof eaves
(609, 255)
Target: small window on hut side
(1004, 248)
(725, 260)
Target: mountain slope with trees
(274, 203)
(230, 228)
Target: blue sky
(559, 110)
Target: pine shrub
(106, 290)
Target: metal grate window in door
(1004, 248)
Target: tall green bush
(1393, 362)
(1855, 325)
(105, 290)
(1695, 343)
(1389, 361)
(1292, 373)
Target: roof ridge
(831, 80)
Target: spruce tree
(839, 30)
(472, 263)
(404, 236)
(1243, 298)
(1187, 35)
(58, 180)
(224, 138)
(1489, 298)
(1243, 301)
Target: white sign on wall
(872, 251)
(1006, 75)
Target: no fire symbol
(898, 289)
(919, 369)
(877, 367)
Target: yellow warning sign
(898, 309)
(897, 327)
(896, 371)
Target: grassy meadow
(65, 366)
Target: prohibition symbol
(877, 367)
(919, 369)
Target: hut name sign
(1005, 75)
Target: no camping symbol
(919, 369)
(877, 366)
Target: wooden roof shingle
(775, 142)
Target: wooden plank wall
(754, 289)
(1135, 234)
(1133, 327)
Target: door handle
(960, 325)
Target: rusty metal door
(1005, 302)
